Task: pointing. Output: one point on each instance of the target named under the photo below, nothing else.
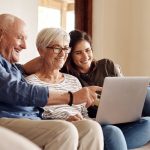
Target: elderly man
(20, 102)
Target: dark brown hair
(76, 36)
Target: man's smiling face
(13, 41)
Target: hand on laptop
(97, 100)
(98, 94)
(86, 95)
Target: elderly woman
(53, 47)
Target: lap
(88, 130)
(136, 133)
(37, 130)
(18, 125)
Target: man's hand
(86, 95)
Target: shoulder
(72, 79)
(5, 65)
(105, 64)
(104, 61)
(3, 60)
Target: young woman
(81, 64)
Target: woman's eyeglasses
(58, 50)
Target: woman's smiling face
(56, 60)
(82, 56)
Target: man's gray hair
(6, 21)
(49, 36)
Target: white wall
(28, 11)
(121, 32)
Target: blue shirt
(18, 99)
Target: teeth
(61, 59)
(17, 51)
(84, 62)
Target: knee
(90, 128)
(63, 130)
(112, 131)
(93, 127)
(70, 130)
(145, 121)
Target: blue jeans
(127, 136)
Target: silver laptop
(122, 99)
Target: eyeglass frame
(58, 50)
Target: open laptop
(122, 99)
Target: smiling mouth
(17, 51)
(60, 59)
(85, 62)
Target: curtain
(83, 15)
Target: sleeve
(16, 91)
(19, 66)
(108, 67)
(84, 111)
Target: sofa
(145, 147)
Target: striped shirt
(70, 83)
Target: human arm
(15, 91)
(32, 66)
(80, 95)
(85, 95)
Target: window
(48, 17)
(56, 13)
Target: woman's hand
(76, 117)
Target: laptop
(122, 99)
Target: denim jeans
(127, 136)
